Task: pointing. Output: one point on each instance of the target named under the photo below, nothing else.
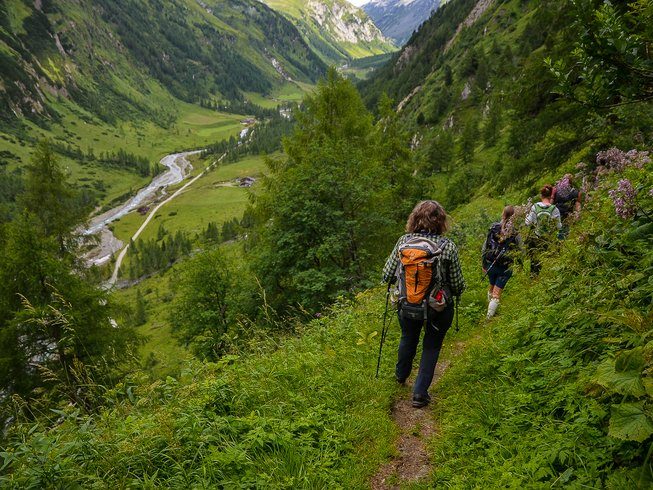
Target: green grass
(289, 92)
(213, 197)
(308, 414)
(161, 354)
(17, 12)
(195, 127)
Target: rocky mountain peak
(344, 21)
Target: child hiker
(498, 250)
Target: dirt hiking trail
(417, 426)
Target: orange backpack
(420, 277)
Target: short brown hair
(428, 216)
(546, 191)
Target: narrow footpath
(412, 462)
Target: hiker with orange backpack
(498, 249)
(426, 269)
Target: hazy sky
(358, 2)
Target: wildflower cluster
(617, 160)
(624, 199)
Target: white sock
(492, 307)
(489, 296)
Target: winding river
(178, 169)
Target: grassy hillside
(549, 392)
(473, 86)
(129, 76)
(111, 58)
(250, 421)
(555, 391)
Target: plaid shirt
(453, 274)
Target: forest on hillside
(282, 308)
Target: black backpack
(565, 200)
(496, 249)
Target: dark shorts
(499, 276)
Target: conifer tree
(492, 125)
(324, 210)
(140, 312)
(440, 153)
(468, 140)
(201, 316)
(53, 319)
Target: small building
(246, 181)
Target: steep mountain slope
(398, 19)
(473, 86)
(335, 29)
(110, 57)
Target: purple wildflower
(617, 160)
(613, 159)
(623, 198)
(638, 158)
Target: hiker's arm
(556, 216)
(531, 217)
(456, 279)
(483, 249)
(577, 204)
(391, 263)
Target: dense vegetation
(490, 85)
(555, 391)
(329, 210)
(148, 256)
(264, 138)
(57, 342)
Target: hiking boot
(420, 401)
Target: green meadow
(288, 93)
(194, 127)
(214, 197)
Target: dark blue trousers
(434, 334)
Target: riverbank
(179, 167)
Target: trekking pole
(384, 331)
(457, 314)
(493, 263)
